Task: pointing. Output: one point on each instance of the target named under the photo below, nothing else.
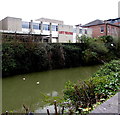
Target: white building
(49, 30)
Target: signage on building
(64, 32)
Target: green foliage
(106, 39)
(99, 50)
(107, 69)
(89, 56)
(104, 83)
(85, 39)
(8, 62)
(19, 57)
(72, 55)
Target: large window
(45, 27)
(101, 29)
(36, 26)
(53, 27)
(25, 25)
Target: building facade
(101, 28)
(46, 30)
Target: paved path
(110, 106)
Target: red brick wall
(111, 30)
(96, 31)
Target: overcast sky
(72, 12)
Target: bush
(101, 85)
(20, 58)
(72, 55)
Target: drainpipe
(106, 30)
(106, 33)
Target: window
(45, 26)
(80, 31)
(53, 28)
(36, 26)
(102, 29)
(25, 25)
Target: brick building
(108, 27)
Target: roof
(99, 22)
(8, 17)
(113, 19)
(50, 20)
(95, 22)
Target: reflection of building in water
(53, 94)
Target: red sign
(63, 32)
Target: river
(27, 88)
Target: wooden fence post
(48, 112)
(55, 107)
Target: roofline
(113, 19)
(11, 17)
(50, 20)
(101, 24)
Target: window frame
(102, 29)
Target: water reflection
(27, 89)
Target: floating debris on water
(24, 78)
(38, 83)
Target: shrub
(72, 55)
(20, 58)
(103, 84)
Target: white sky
(72, 12)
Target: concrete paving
(111, 106)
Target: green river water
(16, 91)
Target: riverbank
(85, 96)
(20, 58)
